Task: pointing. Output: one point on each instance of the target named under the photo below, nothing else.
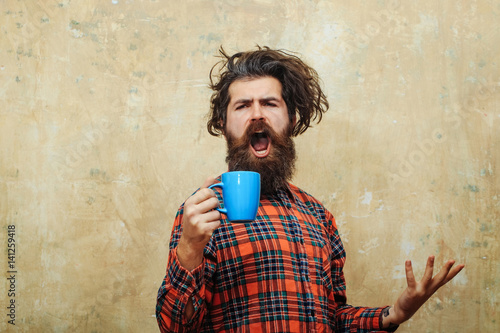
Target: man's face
(258, 132)
(252, 100)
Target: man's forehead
(266, 87)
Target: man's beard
(276, 169)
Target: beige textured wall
(102, 137)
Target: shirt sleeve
(181, 286)
(348, 318)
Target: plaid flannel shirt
(280, 273)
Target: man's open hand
(418, 292)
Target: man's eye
(242, 106)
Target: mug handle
(221, 185)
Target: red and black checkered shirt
(280, 273)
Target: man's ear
(223, 129)
(294, 120)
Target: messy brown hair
(301, 90)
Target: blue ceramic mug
(241, 195)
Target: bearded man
(282, 272)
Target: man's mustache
(259, 126)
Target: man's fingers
(203, 193)
(429, 269)
(209, 181)
(207, 205)
(214, 220)
(213, 216)
(453, 272)
(211, 223)
(200, 196)
(201, 204)
(443, 273)
(446, 273)
(410, 277)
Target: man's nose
(257, 113)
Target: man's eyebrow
(249, 100)
(269, 99)
(242, 100)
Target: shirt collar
(286, 195)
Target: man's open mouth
(260, 143)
